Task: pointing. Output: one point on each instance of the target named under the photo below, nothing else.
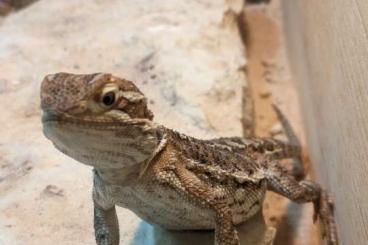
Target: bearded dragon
(167, 178)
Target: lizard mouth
(49, 117)
(111, 119)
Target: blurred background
(209, 68)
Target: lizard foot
(324, 211)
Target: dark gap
(8, 6)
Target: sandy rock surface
(186, 56)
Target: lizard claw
(324, 211)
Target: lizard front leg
(105, 219)
(106, 226)
(190, 186)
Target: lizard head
(95, 117)
(96, 95)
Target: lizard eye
(108, 99)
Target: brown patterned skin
(165, 177)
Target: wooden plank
(328, 48)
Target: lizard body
(166, 178)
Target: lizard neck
(139, 153)
(120, 147)
(119, 176)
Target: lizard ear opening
(148, 113)
(132, 100)
(137, 109)
(143, 109)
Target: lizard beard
(102, 147)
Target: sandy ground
(194, 82)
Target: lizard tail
(289, 131)
(293, 148)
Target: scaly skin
(165, 177)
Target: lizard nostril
(46, 102)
